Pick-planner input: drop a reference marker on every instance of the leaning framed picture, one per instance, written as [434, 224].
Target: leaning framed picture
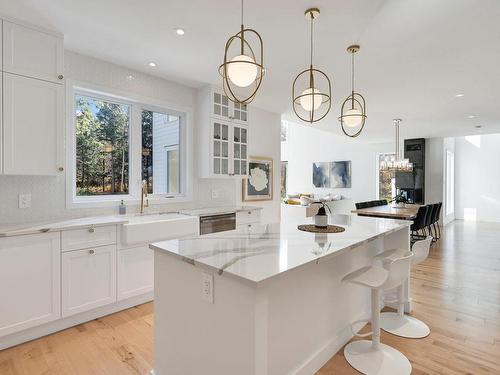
[259, 184]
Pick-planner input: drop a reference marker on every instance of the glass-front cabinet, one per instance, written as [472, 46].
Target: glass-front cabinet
[229, 149]
[225, 109]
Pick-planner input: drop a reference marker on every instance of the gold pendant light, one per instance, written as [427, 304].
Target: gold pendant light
[242, 74]
[311, 89]
[353, 111]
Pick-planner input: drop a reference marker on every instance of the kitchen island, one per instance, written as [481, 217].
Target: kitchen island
[264, 299]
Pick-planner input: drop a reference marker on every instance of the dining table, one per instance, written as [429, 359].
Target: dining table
[389, 211]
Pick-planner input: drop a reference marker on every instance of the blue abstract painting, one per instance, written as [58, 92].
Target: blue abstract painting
[340, 174]
[321, 175]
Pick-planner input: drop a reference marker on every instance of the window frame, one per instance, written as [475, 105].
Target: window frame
[136, 104]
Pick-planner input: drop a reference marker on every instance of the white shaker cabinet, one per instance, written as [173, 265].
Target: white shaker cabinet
[135, 271]
[88, 279]
[32, 126]
[30, 273]
[32, 53]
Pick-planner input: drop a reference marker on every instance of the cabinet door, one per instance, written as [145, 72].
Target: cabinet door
[135, 271]
[220, 148]
[32, 112]
[239, 150]
[88, 279]
[221, 106]
[32, 53]
[30, 277]
[239, 113]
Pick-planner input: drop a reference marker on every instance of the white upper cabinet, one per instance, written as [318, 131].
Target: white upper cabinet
[32, 53]
[223, 135]
[225, 109]
[30, 275]
[32, 126]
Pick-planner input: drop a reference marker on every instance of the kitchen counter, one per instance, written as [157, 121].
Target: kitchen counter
[17, 230]
[255, 253]
[264, 299]
[219, 210]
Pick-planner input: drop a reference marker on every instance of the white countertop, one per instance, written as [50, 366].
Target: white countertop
[219, 210]
[18, 230]
[259, 252]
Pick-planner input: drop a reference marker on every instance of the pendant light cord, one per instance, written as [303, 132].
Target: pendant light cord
[352, 78]
[242, 12]
[312, 19]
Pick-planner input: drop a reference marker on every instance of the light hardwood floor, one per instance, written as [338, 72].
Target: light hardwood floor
[456, 291]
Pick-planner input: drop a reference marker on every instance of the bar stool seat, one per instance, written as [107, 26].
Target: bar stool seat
[398, 323]
[373, 357]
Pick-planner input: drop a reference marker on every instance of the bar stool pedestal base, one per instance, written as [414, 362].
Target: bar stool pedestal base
[383, 361]
[403, 326]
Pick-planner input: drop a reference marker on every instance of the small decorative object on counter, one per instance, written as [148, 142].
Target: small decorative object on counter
[400, 200]
[122, 209]
[321, 218]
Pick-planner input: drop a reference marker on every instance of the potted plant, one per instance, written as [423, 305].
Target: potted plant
[400, 200]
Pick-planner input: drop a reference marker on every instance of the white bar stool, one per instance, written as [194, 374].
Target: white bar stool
[398, 323]
[373, 357]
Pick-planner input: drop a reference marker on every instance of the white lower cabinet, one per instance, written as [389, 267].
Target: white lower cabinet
[135, 271]
[88, 279]
[30, 273]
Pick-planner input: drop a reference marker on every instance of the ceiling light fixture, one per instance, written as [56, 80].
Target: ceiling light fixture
[242, 74]
[353, 110]
[311, 89]
[179, 31]
[152, 64]
[459, 95]
[471, 116]
[397, 162]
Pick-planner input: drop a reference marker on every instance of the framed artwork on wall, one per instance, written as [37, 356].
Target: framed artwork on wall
[333, 175]
[259, 184]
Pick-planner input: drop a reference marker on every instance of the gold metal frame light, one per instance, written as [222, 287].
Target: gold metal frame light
[353, 101]
[233, 92]
[313, 76]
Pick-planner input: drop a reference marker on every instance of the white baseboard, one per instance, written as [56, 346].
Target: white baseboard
[63, 323]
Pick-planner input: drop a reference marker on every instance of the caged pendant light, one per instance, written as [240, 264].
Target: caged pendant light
[353, 110]
[242, 74]
[311, 89]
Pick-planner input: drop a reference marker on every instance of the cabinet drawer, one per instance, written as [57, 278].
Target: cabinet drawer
[88, 279]
[247, 217]
[88, 237]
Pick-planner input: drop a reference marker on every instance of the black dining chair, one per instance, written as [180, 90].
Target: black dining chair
[432, 221]
[436, 222]
[419, 223]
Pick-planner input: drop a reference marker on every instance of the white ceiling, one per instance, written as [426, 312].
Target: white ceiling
[416, 55]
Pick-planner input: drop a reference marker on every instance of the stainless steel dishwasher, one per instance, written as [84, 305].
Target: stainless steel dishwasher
[217, 223]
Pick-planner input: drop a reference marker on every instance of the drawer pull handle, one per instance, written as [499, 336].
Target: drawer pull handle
[249, 212]
[60, 76]
[91, 230]
[91, 252]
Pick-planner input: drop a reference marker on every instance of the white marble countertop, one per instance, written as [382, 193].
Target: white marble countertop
[259, 252]
[18, 230]
[219, 210]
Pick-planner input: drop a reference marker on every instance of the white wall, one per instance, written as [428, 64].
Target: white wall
[48, 193]
[264, 133]
[307, 145]
[477, 178]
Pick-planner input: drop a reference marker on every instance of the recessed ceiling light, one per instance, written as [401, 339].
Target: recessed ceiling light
[152, 64]
[130, 77]
[459, 95]
[179, 31]
[471, 116]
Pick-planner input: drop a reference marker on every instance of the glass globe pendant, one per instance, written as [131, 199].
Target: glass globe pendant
[311, 89]
[242, 74]
[353, 110]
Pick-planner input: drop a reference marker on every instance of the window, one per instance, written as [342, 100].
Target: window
[160, 152]
[450, 182]
[102, 146]
[386, 185]
[283, 179]
[284, 131]
[116, 143]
